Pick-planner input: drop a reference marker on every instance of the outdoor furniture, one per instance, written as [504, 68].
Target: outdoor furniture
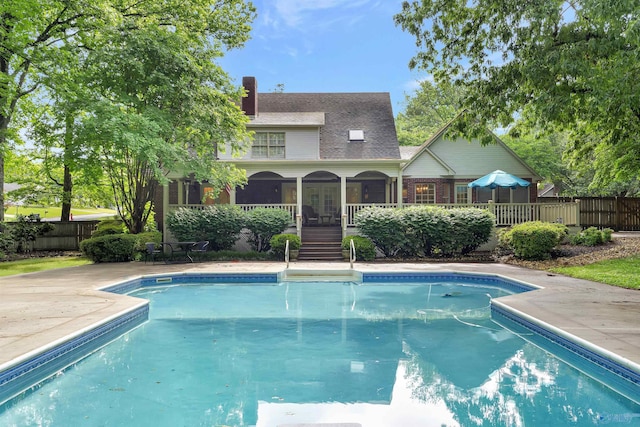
[179, 248]
[200, 247]
[152, 252]
[309, 216]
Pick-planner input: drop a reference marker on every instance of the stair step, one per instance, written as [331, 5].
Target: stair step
[301, 275]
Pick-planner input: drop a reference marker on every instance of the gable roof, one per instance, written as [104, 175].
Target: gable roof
[370, 112]
[432, 141]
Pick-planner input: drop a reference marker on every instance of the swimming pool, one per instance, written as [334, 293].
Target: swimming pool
[410, 352]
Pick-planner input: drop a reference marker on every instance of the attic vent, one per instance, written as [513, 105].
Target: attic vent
[356, 135]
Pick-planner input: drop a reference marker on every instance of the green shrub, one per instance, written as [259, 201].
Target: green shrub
[264, 223]
[365, 249]
[418, 231]
[140, 245]
[219, 224]
[470, 229]
[591, 237]
[110, 248]
[534, 240]
[385, 227]
[279, 242]
[108, 227]
[25, 229]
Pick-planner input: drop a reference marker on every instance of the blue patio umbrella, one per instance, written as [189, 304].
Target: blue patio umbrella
[499, 178]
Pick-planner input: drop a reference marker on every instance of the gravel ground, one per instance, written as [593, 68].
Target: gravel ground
[568, 255]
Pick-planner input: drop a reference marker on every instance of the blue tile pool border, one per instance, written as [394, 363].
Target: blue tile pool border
[621, 377]
[33, 371]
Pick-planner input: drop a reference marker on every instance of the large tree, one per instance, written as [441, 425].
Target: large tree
[149, 67]
[569, 65]
[427, 110]
[160, 102]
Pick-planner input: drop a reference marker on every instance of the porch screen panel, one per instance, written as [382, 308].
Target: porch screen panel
[425, 193]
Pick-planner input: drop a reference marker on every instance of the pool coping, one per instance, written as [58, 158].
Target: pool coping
[79, 339]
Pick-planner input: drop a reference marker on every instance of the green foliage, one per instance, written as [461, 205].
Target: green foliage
[279, 241]
[591, 237]
[470, 228]
[534, 240]
[25, 230]
[560, 66]
[140, 245]
[425, 230]
[110, 248]
[365, 249]
[264, 223]
[426, 111]
[109, 226]
[384, 227]
[219, 224]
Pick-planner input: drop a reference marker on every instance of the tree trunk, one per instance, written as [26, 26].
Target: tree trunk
[67, 184]
[4, 125]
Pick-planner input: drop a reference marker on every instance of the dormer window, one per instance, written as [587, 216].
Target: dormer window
[356, 136]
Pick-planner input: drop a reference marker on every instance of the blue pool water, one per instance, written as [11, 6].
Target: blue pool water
[267, 355]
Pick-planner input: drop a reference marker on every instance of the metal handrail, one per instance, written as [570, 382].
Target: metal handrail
[286, 253]
[352, 253]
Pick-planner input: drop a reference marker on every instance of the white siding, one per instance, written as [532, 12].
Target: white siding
[300, 144]
[425, 166]
[471, 159]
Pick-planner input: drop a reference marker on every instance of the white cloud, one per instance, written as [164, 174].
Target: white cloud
[298, 13]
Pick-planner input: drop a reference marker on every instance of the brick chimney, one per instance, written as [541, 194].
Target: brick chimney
[250, 102]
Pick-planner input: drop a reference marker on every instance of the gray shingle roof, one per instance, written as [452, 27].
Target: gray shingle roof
[370, 112]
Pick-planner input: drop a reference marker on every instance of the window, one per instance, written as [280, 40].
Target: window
[462, 194]
[268, 145]
[425, 193]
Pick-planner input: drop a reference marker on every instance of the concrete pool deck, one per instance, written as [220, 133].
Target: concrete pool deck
[38, 309]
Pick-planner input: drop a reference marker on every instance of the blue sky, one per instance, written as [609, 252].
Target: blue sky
[327, 46]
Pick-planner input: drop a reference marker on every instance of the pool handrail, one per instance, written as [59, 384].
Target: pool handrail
[286, 253]
[352, 252]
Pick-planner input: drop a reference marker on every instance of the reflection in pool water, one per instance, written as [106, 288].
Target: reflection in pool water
[378, 355]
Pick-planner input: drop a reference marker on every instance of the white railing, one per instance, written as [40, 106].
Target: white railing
[506, 214]
[289, 207]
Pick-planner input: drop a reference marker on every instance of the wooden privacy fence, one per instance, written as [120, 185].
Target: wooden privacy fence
[617, 213]
[66, 236]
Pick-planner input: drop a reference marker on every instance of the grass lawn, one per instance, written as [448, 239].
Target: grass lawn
[10, 268]
[621, 272]
[51, 211]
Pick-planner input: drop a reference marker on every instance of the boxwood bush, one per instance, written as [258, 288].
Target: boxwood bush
[108, 226]
[365, 249]
[533, 240]
[109, 248]
[279, 242]
[219, 224]
[264, 223]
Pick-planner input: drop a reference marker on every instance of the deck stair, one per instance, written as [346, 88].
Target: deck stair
[320, 275]
[321, 244]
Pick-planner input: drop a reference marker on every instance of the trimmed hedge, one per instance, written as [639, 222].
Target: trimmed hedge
[533, 240]
[109, 226]
[279, 242]
[219, 224]
[419, 231]
[365, 249]
[109, 248]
